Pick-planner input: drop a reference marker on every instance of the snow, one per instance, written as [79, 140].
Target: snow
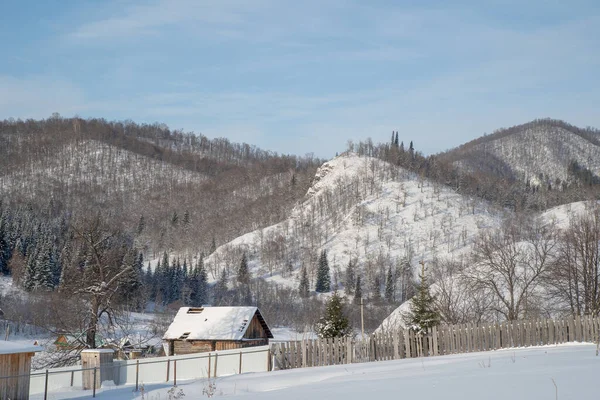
[20, 347]
[366, 209]
[282, 334]
[499, 375]
[213, 323]
[94, 351]
[546, 151]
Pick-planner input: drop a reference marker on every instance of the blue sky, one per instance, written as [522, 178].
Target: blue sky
[299, 77]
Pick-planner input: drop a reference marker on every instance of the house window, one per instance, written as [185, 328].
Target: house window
[184, 336]
[195, 310]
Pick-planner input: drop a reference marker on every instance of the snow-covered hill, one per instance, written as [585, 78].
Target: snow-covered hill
[451, 288]
[539, 152]
[365, 210]
[93, 164]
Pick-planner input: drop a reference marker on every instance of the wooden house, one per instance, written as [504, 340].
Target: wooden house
[15, 362]
[203, 329]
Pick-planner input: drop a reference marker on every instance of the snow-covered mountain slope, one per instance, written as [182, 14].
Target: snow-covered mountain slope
[361, 209]
[557, 219]
[539, 152]
[94, 164]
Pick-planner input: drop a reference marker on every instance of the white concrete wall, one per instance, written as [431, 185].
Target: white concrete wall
[154, 370]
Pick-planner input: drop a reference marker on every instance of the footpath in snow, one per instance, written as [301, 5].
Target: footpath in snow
[504, 374]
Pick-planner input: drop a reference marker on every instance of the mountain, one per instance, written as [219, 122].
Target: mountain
[368, 213]
[541, 153]
[182, 190]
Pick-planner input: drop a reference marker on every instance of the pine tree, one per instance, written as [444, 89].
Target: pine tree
[357, 291]
[304, 288]
[396, 140]
[243, 276]
[389, 285]
[44, 268]
[350, 280]
[376, 289]
[334, 323]
[141, 225]
[221, 288]
[201, 286]
[213, 246]
[423, 315]
[323, 278]
[5, 251]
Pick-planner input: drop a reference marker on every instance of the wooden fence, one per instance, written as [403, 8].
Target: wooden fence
[442, 340]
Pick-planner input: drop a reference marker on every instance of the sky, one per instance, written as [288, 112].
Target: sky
[307, 76]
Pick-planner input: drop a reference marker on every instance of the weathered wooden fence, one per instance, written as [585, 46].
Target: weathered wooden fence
[442, 340]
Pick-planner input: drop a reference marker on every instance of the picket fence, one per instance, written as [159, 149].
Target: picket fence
[442, 340]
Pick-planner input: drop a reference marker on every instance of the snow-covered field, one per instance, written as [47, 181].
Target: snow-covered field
[505, 374]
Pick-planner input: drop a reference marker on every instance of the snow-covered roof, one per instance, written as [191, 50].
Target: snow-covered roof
[15, 348]
[213, 323]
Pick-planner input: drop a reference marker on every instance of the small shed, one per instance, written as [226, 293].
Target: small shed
[15, 367]
[203, 329]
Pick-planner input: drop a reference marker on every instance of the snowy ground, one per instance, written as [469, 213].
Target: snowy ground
[504, 374]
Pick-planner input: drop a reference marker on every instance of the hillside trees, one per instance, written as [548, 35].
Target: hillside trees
[574, 279]
[511, 262]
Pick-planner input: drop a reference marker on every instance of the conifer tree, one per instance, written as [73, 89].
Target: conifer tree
[389, 285]
[201, 286]
[44, 269]
[350, 281]
[213, 246]
[221, 288]
[323, 278]
[396, 140]
[334, 323]
[304, 288]
[243, 276]
[423, 315]
[5, 251]
[357, 291]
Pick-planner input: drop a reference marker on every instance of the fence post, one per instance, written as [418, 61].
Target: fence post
[46, 387]
[209, 357]
[240, 370]
[137, 374]
[174, 372]
[94, 385]
[168, 369]
[269, 365]
[216, 359]
[72, 377]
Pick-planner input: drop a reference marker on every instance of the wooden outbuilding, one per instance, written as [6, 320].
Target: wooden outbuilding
[203, 329]
[15, 367]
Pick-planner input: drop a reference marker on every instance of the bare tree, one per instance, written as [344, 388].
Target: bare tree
[575, 276]
[510, 262]
[106, 268]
